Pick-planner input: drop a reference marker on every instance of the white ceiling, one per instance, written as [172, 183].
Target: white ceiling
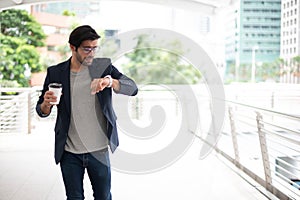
[209, 7]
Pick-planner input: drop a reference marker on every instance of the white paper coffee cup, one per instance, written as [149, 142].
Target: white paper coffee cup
[56, 88]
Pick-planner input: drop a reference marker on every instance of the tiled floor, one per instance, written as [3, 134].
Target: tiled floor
[28, 172]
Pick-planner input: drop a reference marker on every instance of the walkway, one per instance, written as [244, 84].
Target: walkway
[28, 172]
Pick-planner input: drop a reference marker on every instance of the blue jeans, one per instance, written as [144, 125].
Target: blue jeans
[97, 165]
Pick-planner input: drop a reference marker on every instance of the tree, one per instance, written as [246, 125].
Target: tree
[18, 23]
[269, 71]
[158, 66]
[19, 37]
[264, 72]
[296, 68]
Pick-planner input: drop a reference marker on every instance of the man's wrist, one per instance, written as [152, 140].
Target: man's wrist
[110, 80]
[41, 110]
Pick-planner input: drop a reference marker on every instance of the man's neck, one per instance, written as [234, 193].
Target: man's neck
[76, 66]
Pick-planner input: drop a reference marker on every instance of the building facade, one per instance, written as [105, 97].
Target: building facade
[252, 33]
[81, 9]
[290, 41]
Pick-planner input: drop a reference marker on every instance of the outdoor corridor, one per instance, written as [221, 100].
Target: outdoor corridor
[28, 172]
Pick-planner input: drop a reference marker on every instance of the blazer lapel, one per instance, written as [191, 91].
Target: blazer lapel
[98, 67]
[65, 80]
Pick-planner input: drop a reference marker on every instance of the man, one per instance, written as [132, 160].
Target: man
[86, 123]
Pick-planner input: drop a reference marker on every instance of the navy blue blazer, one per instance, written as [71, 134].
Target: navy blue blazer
[61, 74]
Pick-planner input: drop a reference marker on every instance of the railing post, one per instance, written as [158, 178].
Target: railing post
[136, 107]
[234, 136]
[264, 151]
[273, 100]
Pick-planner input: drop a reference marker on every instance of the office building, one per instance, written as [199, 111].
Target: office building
[81, 9]
[290, 41]
[253, 29]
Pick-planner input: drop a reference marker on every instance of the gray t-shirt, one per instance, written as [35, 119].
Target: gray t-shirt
[88, 124]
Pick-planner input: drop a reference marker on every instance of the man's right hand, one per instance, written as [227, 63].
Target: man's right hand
[46, 105]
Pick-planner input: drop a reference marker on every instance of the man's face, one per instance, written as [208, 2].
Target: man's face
[86, 51]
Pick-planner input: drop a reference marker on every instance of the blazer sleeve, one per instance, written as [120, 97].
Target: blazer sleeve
[103, 66]
[127, 85]
[41, 97]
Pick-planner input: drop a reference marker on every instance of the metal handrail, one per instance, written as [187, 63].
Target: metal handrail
[287, 115]
[17, 111]
[272, 164]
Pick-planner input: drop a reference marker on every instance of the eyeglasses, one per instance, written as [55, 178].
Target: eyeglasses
[89, 49]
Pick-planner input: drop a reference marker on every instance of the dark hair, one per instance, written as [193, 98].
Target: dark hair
[82, 33]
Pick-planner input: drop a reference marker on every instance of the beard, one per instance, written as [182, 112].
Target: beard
[85, 61]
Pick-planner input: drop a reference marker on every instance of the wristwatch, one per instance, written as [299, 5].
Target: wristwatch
[110, 80]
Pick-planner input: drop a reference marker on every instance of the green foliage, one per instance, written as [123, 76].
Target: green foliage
[159, 66]
[264, 72]
[64, 52]
[18, 23]
[296, 66]
[19, 37]
[9, 84]
[297, 60]
[68, 13]
[268, 72]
